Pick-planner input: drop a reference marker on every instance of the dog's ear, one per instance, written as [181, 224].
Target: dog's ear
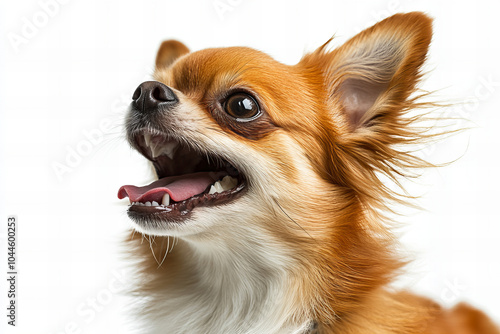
[368, 85]
[375, 71]
[169, 51]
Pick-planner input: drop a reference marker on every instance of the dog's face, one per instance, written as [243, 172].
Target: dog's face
[236, 114]
[241, 142]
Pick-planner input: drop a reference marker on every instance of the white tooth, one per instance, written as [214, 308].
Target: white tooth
[170, 148]
[212, 190]
[165, 200]
[218, 187]
[167, 149]
[154, 203]
[147, 204]
[228, 182]
[147, 138]
[155, 150]
[139, 203]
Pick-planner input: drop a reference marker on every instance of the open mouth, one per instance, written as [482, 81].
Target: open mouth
[187, 178]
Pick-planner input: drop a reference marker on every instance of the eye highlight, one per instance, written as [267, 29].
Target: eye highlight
[242, 107]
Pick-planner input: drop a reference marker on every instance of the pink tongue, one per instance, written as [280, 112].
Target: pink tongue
[179, 188]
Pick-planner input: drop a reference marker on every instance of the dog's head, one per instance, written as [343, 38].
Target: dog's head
[241, 142]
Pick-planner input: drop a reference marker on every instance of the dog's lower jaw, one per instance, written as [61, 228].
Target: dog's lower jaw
[221, 287]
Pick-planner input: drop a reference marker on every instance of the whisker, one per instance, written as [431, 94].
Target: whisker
[281, 208]
[166, 252]
[152, 251]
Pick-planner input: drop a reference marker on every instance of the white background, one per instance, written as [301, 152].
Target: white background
[78, 70]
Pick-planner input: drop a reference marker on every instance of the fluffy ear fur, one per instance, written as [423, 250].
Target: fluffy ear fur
[377, 68]
[169, 51]
[369, 81]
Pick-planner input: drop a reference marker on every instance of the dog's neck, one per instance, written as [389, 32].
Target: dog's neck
[242, 284]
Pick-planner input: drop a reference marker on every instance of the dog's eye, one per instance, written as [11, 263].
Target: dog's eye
[242, 106]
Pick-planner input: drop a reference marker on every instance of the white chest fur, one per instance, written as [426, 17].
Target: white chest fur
[242, 288]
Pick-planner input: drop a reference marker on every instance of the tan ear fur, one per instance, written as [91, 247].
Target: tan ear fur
[169, 51]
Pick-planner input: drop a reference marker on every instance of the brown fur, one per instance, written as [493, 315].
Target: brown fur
[338, 235]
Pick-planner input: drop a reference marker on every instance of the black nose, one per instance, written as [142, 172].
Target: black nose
[152, 94]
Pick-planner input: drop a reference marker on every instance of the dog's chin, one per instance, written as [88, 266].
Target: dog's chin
[198, 222]
[172, 228]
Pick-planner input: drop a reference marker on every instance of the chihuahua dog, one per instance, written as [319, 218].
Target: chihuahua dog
[267, 214]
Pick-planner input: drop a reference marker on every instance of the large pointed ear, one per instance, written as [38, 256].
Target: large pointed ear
[169, 51]
[369, 85]
[373, 74]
